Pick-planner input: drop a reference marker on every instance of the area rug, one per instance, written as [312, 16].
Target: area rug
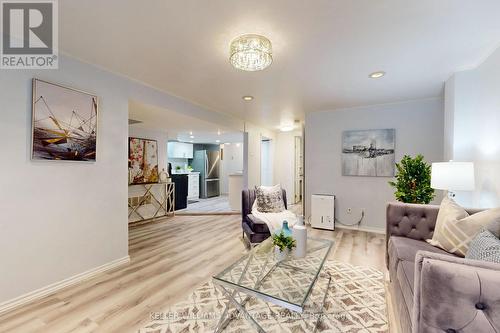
[355, 302]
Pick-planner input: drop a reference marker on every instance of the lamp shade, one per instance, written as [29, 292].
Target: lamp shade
[453, 176]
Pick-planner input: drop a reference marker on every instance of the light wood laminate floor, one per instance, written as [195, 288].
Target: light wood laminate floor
[169, 258]
[218, 204]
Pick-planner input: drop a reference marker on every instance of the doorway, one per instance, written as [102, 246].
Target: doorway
[203, 160]
[299, 170]
[266, 162]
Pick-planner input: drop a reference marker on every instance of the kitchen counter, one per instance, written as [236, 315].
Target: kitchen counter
[235, 185]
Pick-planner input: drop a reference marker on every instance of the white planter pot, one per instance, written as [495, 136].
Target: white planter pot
[281, 255]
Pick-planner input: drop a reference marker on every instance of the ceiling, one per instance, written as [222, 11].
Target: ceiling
[323, 50]
[179, 126]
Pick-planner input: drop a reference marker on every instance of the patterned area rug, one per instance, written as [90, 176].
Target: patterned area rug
[355, 302]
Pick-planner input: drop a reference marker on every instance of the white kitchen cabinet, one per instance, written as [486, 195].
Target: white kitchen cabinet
[180, 150]
[193, 185]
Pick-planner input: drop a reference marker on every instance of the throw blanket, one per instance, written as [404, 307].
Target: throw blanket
[274, 221]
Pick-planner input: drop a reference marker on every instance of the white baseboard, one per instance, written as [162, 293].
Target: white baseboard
[45, 291]
[361, 228]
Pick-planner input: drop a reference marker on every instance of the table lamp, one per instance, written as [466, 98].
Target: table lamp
[452, 176]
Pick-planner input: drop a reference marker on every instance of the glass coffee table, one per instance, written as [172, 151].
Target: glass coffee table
[287, 283]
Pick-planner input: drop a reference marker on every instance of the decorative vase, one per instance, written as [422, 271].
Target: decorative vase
[300, 236]
[286, 230]
[280, 255]
[163, 176]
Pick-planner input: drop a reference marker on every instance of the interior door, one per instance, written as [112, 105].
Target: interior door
[299, 172]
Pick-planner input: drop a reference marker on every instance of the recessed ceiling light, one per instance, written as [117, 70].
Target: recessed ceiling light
[217, 141]
[218, 132]
[376, 75]
[191, 133]
[191, 136]
[227, 143]
[191, 141]
[247, 98]
[286, 128]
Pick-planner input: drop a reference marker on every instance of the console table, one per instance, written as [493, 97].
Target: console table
[148, 202]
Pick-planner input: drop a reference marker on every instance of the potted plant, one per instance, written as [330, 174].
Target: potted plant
[283, 245]
[413, 181]
[178, 169]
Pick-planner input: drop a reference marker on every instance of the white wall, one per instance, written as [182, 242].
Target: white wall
[419, 129]
[474, 128]
[232, 163]
[62, 219]
[285, 162]
[449, 109]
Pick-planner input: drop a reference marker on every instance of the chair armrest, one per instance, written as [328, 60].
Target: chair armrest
[254, 219]
[454, 294]
[254, 222]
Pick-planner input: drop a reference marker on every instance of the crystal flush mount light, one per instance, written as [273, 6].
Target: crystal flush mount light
[251, 52]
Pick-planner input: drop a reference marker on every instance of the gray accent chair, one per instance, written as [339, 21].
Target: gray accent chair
[255, 229]
[432, 290]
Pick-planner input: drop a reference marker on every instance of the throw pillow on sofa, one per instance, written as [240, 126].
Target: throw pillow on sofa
[494, 228]
[486, 246]
[269, 199]
[455, 228]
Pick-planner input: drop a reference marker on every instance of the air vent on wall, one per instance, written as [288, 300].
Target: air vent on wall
[133, 121]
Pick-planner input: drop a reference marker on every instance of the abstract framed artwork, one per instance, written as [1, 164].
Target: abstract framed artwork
[368, 153]
[143, 161]
[64, 123]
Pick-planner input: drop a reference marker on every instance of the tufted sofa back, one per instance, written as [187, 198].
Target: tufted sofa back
[412, 220]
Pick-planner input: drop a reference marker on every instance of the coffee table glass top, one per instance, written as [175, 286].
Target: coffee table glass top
[287, 283]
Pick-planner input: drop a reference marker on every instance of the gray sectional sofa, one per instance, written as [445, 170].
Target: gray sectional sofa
[432, 290]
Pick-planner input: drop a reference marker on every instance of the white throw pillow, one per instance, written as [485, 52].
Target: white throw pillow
[455, 228]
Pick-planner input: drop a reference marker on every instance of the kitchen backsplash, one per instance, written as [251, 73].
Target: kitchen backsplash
[182, 162]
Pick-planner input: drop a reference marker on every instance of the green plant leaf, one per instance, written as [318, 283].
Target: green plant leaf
[413, 180]
[283, 242]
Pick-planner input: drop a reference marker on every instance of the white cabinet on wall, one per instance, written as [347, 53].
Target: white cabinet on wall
[194, 185]
[180, 150]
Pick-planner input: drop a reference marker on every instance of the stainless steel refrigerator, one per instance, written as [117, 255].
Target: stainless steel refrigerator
[207, 163]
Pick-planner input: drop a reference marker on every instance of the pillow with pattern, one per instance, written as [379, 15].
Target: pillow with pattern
[485, 246]
[455, 228]
[269, 199]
